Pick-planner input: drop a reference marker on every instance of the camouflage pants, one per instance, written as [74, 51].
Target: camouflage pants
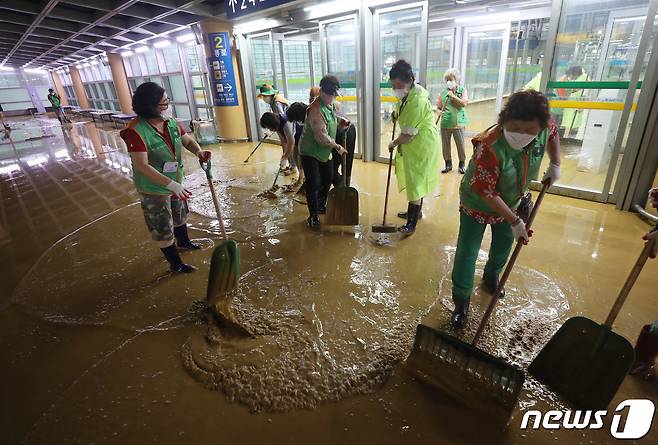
[162, 213]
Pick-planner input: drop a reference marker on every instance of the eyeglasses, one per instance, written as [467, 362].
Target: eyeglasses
[164, 104]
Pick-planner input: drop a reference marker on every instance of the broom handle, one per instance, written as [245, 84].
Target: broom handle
[388, 179]
[214, 196]
[276, 178]
[630, 281]
[508, 268]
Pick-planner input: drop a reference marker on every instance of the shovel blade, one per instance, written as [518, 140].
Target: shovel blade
[224, 271]
[467, 374]
[584, 362]
[343, 207]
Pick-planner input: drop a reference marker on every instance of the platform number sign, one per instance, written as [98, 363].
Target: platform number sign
[220, 65]
[238, 8]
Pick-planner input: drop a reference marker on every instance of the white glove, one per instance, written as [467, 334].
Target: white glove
[552, 173]
[284, 162]
[653, 197]
[178, 190]
[520, 232]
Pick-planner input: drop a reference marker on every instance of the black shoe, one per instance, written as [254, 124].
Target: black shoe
[183, 240]
[461, 167]
[491, 282]
[448, 167]
[313, 222]
[413, 213]
[460, 314]
[175, 262]
[403, 215]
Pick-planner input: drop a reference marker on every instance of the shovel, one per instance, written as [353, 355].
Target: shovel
[383, 227]
[464, 372]
[586, 362]
[224, 268]
[343, 202]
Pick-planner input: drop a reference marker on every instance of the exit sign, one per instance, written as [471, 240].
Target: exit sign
[238, 8]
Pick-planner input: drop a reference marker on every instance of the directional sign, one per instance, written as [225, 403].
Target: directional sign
[222, 77]
[238, 8]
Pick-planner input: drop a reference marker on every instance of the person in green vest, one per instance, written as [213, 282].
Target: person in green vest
[572, 118]
[452, 104]
[317, 142]
[505, 160]
[155, 143]
[56, 103]
[418, 145]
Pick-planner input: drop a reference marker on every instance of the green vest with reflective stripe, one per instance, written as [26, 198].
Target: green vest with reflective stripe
[158, 153]
[517, 169]
[54, 100]
[452, 116]
[309, 146]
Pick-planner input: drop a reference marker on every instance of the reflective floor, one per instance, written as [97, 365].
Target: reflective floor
[99, 343]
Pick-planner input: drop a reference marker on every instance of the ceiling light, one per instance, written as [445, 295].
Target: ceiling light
[94, 62]
[6, 68]
[185, 38]
[126, 53]
[142, 49]
[162, 43]
[79, 67]
[34, 70]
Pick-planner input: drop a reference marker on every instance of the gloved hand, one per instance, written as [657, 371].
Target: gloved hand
[391, 146]
[343, 123]
[283, 163]
[204, 155]
[552, 174]
[653, 197]
[178, 190]
[652, 236]
[394, 116]
[520, 231]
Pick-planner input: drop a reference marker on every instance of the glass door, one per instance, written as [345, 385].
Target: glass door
[399, 33]
[340, 57]
[484, 58]
[440, 57]
[263, 69]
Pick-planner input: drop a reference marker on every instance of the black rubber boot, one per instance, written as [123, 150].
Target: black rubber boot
[460, 314]
[646, 351]
[448, 167]
[461, 167]
[175, 262]
[403, 215]
[313, 222]
[491, 282]
[183, 240]
[413, 212]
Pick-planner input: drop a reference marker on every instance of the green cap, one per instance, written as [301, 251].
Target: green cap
[267, 90]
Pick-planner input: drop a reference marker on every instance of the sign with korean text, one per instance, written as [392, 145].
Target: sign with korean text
[238, 8]
[222, 77]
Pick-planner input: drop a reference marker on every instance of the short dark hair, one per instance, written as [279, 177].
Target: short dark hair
[401, 70]
[146, 99]
[270, 121]
[329, 84]
[50, 90]
[526, 106]
[296, 112]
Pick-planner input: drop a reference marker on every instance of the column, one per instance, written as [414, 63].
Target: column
[230, 120]
[120, 80]
[77, 87]
[59, 88]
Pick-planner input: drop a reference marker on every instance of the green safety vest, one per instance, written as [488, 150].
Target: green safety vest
[517, 169]
[158, 153]
[308, 145]
[452, 116]
[54, 100]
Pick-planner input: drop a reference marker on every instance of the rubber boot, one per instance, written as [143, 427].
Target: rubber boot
[460, 313]
[313, 222]
[461, 167]
[413, 212]
[491, 282]
[183, 240]
[403, 215]
[646, 351]
[448, 167]
[175, 262]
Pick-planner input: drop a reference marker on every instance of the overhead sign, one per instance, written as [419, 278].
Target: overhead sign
[222, 77]
[238, 8]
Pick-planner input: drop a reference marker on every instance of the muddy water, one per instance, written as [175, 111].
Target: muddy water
[101, 344]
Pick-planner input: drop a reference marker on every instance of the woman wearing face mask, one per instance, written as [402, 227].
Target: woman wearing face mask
[506, 159]
[451, 104]
[316, 145]
[417, 159]
[279, 106]
[155, 144]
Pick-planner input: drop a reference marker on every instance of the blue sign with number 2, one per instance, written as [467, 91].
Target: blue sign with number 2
[222, 77]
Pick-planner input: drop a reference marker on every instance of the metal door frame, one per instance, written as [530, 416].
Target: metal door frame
[260, 134]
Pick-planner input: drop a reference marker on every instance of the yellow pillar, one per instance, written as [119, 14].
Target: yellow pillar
[231, 121]
[120, 80]
[59, 88]
[77, 87]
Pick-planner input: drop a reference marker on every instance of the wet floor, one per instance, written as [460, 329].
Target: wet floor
[100, 344]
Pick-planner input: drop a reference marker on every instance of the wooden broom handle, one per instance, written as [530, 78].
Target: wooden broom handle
[388, 180]
[207, 168]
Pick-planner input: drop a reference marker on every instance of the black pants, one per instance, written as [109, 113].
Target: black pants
[318, 181]
[347, 138]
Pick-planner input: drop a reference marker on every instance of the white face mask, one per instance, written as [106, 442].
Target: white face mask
[518, 141]
[401, 93]
[451, 84]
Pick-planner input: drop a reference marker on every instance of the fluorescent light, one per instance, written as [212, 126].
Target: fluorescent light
[142, 49]
[332, 7]
[185, 38]
[162, 43]
[34, 70]
[94, 62]
[254, 25]
[86, 64]
[6, 68]
[127, 53]
[79, 67]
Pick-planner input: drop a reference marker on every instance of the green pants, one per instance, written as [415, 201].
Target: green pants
[468, 246]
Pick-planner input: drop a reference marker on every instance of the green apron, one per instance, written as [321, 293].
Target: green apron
[417, 169]
[308, 145]
[453, 117]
